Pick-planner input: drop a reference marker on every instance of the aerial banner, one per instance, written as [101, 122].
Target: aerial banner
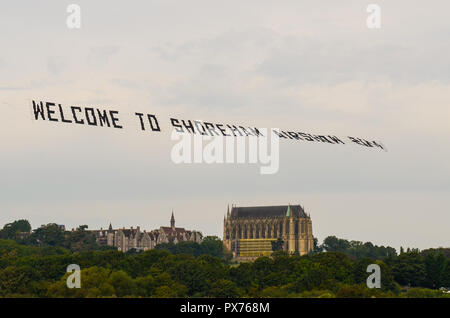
[108, 118]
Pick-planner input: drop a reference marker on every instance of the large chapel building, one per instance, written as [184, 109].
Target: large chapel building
[248, 232]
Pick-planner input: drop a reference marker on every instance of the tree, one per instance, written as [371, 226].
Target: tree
[445, 274]
[387, 277]
[334, 244]
[145, 286]
[277, 245]
[165, 286]
[122, 283]
[434, 266]
[188, 247]
[169, 247]
[338, 265]
[357, 249]
[12, 230]
[20, 280]
[51, 234]
[353, 291]
[212, 245]
[185, 270]
[242, 275]
[274, 292]
[165, 292]
[262, 269]
[317, 248]
[224, 288]
[94, 283]
[308, 275]
[360, 270]
[81, 240]
[409, 269]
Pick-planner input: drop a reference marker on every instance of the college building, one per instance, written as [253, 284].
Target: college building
[134, 238]
[248, 232]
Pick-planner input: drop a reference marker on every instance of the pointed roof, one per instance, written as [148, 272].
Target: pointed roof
[289, 211]
[267, 211]
[110, 226]
[172, 221]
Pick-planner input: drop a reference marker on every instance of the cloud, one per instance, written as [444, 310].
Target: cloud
[56, 64]
[300, 60]
[235, 46]
[100, 55]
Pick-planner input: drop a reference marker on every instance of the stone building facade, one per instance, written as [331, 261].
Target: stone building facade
[134, 238]
[248, 232]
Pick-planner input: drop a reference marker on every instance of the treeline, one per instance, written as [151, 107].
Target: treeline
[428, 268]
[355, 248]
[210, 245]
[204, 270]
[51, 235]
[28, 271]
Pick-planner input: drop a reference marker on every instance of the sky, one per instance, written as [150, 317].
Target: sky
[301, 65]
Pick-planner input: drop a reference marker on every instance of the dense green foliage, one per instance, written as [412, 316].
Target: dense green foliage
[337, 268]
[12, 230]
[50, 235]
[356, 248]
[210, 245]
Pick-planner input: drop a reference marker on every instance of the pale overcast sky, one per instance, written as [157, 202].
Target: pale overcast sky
[309, 66]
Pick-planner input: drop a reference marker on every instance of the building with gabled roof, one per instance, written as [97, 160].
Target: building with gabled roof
[133, 238]
[249, 232]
